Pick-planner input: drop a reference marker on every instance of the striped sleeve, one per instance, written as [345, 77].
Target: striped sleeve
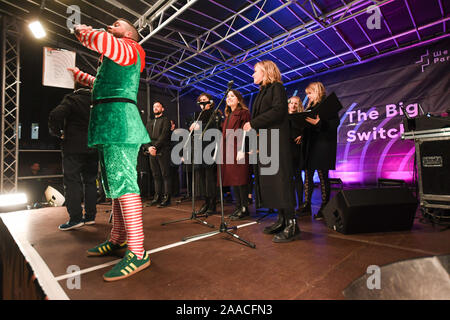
[118, 50]
[84, 78]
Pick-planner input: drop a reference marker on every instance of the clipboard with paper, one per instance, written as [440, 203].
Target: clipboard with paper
[55, 64]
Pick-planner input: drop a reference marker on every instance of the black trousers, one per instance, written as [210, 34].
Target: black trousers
[175, 178]
[206, 181]
[80, 174]
[160, 166]
[241, 195]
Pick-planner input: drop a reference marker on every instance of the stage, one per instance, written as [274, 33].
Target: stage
[217, 267]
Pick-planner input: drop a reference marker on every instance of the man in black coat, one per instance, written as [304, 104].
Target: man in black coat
[69, 121]
[159, 149]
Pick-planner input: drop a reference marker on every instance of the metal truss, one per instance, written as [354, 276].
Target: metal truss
[307, 29]
[10, 54]
[201, 44]
[157, 20]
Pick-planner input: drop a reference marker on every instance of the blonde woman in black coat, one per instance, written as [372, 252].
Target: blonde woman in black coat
[270, 111]
[319, 149]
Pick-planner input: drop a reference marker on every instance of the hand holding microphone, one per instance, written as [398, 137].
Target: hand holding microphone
[82, 27]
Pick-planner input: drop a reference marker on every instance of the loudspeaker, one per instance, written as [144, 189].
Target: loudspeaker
[371, 210]
[54, 197]
[434, 167]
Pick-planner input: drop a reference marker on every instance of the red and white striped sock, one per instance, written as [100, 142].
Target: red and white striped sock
[118, 231]
[131, 206]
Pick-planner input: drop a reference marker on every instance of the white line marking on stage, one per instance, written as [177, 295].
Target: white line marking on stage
[176, 244]
[44, 276]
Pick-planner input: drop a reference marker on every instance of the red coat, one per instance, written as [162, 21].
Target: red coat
[234, 174]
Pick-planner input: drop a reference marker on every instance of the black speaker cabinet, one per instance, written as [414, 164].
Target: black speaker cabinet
[371, 210]
[434, 168]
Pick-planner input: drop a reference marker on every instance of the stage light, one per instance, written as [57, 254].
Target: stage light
[37, 29]
[13, 199]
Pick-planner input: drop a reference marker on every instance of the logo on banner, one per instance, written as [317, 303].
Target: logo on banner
[438, 56]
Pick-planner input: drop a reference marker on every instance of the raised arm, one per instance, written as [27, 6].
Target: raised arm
[120, 50]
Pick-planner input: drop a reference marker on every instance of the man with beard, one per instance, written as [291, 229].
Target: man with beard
[159, 150]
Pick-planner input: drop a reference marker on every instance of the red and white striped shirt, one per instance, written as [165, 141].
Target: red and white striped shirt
[122, 51]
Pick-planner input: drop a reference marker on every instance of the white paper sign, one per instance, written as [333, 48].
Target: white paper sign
[55, 73]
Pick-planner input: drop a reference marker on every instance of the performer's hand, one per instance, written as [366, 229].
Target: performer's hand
[194, 126]
[240, 155]
[81, 27]
[73, 70]
[247, 126]
[313, 121]
[298, 140]
[152, 151]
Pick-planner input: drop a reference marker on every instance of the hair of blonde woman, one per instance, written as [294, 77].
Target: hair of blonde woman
[241, 102]
[300, 107]
[271, 72]
[319, 89]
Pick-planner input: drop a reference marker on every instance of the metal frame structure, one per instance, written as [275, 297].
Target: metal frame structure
[10, 54]
[193, 43]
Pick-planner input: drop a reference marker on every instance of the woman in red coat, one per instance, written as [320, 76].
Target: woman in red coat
[235, 172]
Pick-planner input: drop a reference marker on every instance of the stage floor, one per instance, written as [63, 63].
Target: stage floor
[319, 266]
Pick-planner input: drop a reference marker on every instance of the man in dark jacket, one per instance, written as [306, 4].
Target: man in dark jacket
[159, 149]
[69, 121]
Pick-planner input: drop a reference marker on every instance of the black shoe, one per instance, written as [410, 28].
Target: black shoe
[304, 210]
[156, 200]
[290, 233]
[165, 201]
[241, 214]
[319, 215]
[276, 227]
[204, 207]
[235, 212]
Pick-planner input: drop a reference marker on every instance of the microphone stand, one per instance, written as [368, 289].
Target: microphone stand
[194, 215]
[224, 228]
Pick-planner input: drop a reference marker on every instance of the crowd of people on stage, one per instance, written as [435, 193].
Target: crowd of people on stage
[114, 134]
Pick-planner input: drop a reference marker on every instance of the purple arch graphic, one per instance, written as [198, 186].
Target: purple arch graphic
[383, 155]
[402, 165]
[366, 145]
[347, 146]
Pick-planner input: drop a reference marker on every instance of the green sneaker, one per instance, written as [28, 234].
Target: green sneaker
[106, 248]
[128, 266]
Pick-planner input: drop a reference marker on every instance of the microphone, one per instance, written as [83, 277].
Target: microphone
[230, 84]
[72, 30]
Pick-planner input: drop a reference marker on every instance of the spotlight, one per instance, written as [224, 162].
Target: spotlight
[37, 29]
[13, 202]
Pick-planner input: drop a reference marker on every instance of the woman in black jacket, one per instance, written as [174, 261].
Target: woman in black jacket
[319, 149]
[270, 112]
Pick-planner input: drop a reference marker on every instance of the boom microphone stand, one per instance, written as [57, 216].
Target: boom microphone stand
[194, 215]
[223, 226]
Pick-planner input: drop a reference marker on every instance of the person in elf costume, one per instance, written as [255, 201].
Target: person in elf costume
[117, 131]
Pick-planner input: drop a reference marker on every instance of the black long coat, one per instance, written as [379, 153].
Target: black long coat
[270, 111]
[319, 144]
